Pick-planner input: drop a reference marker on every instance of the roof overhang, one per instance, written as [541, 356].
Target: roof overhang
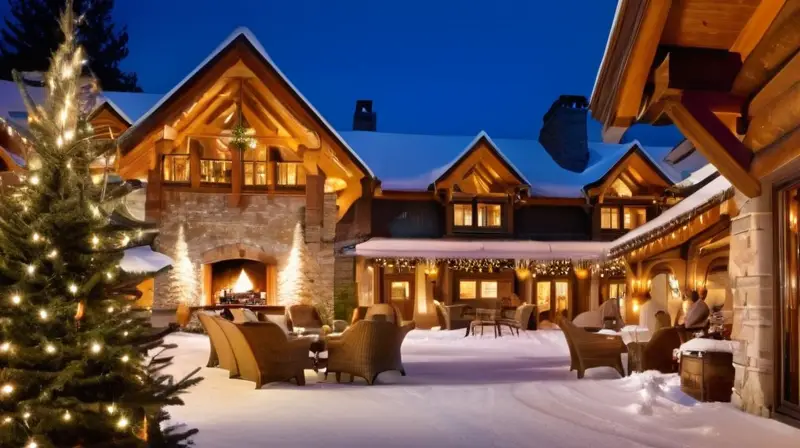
[480, 249]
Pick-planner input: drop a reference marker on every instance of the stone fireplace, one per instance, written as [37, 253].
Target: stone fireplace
[237, 277]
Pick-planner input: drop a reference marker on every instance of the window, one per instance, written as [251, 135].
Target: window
[290, 174]
[616, 290]
[489, 215]
[176, 168]
[488, 290]
[543, 296]
[462, 215]
[609, 218]
[215, 160]
[467, 289]
[400, 290]
[633, 217]
[255, 166]
[215, 171]
[562, 294]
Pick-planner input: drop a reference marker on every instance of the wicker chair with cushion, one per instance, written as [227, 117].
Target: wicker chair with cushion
[264, 354]
[450, 317]
[655, 354]
[304, 316]
[221, 352]
[366, 349]
[522, 317]
[589, 350]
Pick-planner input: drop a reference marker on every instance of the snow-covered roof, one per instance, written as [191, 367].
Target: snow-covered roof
[251, 38]
[715, 188]
[130, 106]
[388, 155]
[608, 44]
[480, 249]
[142, 259]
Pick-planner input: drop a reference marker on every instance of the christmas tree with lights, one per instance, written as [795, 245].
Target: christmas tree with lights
[77, 363]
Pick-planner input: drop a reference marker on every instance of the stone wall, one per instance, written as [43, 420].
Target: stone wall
[751, 274]
[194, 223]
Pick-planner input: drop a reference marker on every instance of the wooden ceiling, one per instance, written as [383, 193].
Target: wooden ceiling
[707, 23]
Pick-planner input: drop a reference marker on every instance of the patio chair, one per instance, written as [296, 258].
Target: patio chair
[655, 354]
[367, 349]
[221, 351]
[450, 317]
[522, 317]
[304, 316]
[264, 354]
[590, 350]
[662, 320]
[392, 313]
[484, 318]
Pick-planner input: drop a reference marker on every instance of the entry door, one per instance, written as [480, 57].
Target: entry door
[399, 292]
[789, 334]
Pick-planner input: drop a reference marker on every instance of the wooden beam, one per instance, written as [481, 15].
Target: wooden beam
[776, 120]
[613, 134]
[755, 28]
[285, 118]
[715, 141]
[637, 67]
[777, 155]
[780, 83]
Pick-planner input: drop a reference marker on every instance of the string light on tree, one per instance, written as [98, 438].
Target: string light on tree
[7, 389]
[16, 299]
[96, 348]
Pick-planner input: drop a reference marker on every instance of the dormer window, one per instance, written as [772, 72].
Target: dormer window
[477, 216]
[489, 215]
[462, 215]
[609, 218]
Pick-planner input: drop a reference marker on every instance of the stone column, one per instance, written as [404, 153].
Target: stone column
[751, 272]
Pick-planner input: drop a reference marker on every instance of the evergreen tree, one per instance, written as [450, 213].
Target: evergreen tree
[33, 35]
[74, 363]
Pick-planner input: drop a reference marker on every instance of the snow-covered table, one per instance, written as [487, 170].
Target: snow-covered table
[634, 333]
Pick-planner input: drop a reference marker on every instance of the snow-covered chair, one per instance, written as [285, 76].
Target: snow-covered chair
[655, 354]
[367, 349]
[522, 317]
[589, 350]
[609, 310]
[265, 354]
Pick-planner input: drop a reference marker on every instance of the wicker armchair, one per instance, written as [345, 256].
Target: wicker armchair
[221, 352]
[655, 354]
[304, 316]
[366, 349]
[522, 317]
[264, 354]
[450, 317]
[392, 313]
[589, 350]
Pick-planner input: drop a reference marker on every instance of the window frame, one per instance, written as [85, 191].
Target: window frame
[171, 157]
[613, 210]
[474, 207]
[634, 209]
[207, 182]
[277, 175]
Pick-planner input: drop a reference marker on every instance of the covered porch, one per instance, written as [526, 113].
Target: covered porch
[560, 278]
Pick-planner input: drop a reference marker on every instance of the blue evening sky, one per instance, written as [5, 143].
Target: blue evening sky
[431, 66]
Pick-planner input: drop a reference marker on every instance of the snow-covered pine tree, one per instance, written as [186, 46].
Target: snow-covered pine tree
[74, 363]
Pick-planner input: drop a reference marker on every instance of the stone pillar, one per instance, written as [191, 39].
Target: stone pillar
[751, 272]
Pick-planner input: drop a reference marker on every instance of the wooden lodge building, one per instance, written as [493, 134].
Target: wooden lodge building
[249, 185]
[726, 73]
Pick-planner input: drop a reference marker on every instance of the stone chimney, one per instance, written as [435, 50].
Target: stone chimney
[564, 133]
[364, 119]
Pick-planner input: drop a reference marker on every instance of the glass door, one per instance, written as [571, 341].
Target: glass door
[562, 298]
[543, 294]
[400, 293]
[789, 310]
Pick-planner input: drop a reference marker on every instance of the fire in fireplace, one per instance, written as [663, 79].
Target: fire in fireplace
[239, 281]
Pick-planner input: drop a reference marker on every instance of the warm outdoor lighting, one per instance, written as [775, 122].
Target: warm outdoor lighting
[635, 306]
[243, 283]
[581, 273]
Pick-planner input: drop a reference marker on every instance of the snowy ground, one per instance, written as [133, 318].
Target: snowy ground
[474, 392]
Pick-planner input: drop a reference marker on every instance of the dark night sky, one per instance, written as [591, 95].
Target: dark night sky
[431, 66]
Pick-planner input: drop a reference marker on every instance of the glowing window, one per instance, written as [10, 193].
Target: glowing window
[467, 289]
[176, 168]
[488, 290]
[562, 296]
[255, 166]
[633, 217]
[290, 174]
[400, 290]
[462, 215]
[543, 296]
[609, 218]
[489, 215]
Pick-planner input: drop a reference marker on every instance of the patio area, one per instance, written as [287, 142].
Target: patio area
[462, 392]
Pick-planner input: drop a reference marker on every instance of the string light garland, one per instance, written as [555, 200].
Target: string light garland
[522, 267]
[679, 223]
